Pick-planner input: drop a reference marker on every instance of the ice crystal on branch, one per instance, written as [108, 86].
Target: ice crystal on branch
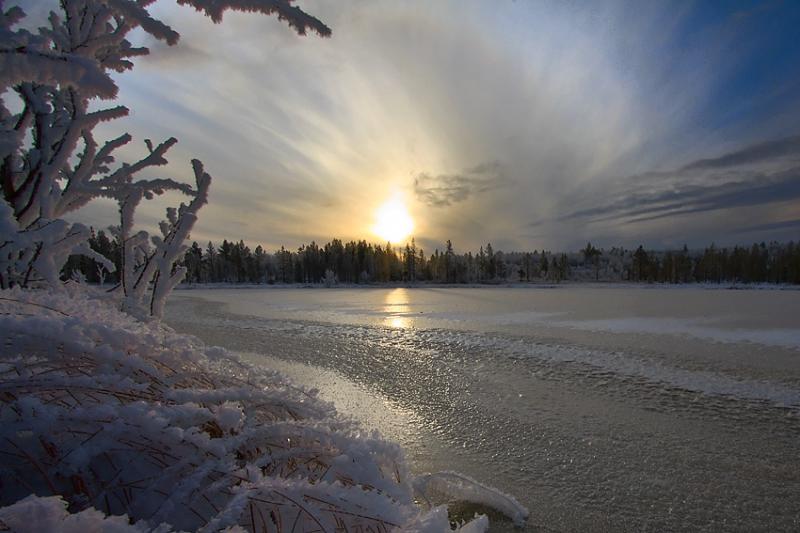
[145, 265]
[51, 163]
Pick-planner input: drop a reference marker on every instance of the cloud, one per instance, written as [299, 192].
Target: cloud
[758, 190]
[771, 227]
[769, 150]
[180, 56]
[577, 108]
[760, 174]
[448, 189]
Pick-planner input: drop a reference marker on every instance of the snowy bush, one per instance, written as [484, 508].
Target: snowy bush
[50, 162]
[129, 418]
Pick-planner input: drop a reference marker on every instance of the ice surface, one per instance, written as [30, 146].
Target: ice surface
[590, 429]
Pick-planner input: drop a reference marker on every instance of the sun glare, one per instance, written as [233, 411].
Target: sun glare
[392, 221]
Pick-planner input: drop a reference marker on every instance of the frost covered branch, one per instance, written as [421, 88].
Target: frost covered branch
[143, 265]
[50, 162]
[294, 16]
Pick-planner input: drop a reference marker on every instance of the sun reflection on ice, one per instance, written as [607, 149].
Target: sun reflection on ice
[398, 322]
[397, 309]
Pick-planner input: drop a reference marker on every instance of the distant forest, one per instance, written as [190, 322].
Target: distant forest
[361, 262]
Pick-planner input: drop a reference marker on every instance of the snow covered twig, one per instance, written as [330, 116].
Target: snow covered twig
[148, 275]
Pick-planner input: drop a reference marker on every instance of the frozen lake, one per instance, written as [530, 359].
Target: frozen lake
[599, 408]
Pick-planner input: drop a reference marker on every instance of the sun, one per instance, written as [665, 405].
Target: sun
[392, 221]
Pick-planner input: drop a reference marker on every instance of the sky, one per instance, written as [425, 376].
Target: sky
[527, 124]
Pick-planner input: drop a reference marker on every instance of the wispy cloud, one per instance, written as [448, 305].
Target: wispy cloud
[763, 173]
[776, 150]
[577, 107]
[773, 226]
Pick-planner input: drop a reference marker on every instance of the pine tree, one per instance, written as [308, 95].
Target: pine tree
[592, 255]
[449, 267]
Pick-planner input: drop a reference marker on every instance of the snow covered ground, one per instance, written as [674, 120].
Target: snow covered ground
[101, 414]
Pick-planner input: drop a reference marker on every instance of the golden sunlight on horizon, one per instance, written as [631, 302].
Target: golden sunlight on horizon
[393, 223]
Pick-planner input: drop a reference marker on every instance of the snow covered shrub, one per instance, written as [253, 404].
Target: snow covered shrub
[129, 418]
[151, 268]
[50, 162]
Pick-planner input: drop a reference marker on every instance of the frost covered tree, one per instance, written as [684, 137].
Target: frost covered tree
[51, 162]
[592, 255]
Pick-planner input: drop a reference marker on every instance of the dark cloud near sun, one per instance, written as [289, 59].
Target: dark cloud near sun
[448, 189]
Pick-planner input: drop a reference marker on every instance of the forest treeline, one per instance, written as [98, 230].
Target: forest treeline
[361, 262]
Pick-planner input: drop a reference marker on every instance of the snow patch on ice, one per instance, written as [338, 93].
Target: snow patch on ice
[701, 329]
[452, 487]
